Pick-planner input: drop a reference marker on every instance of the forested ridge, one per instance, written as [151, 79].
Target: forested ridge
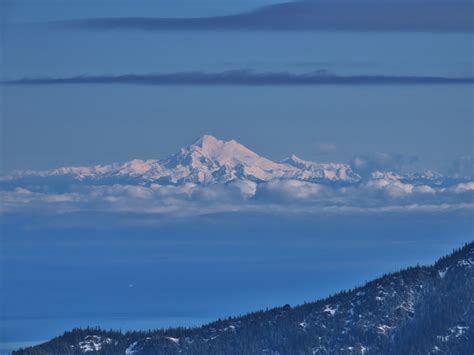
[419, 310]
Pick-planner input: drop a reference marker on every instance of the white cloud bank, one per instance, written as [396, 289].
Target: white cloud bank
[379, 194]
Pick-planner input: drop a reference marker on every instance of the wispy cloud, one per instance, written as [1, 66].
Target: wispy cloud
[463, 166]
[315, 15]
[365, 164]
[326, 148]
[243, 78]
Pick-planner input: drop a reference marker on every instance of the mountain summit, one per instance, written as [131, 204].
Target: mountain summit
[230, 153]
[209, 160]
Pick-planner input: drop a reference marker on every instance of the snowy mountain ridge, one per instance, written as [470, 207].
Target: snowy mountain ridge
[219, 175]
[208, 160]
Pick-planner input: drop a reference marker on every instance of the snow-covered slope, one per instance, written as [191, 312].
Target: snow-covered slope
[311, 171]
[209, 159]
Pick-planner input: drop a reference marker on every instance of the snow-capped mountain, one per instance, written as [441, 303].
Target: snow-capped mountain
[420, 310]
[208, 160]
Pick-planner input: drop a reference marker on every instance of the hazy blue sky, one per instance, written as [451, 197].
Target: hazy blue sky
[46, 126]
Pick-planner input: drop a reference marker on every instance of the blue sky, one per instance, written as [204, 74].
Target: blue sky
[48, 126]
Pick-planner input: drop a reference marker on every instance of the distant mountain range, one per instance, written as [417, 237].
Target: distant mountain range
[214, 176]
[210, 160]
[420, 310]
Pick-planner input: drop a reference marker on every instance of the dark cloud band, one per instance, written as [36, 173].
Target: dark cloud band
[315, 15]
[244, 78]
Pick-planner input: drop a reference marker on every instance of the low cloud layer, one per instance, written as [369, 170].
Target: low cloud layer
[384, 193]
[314, 15]
[244, 78]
